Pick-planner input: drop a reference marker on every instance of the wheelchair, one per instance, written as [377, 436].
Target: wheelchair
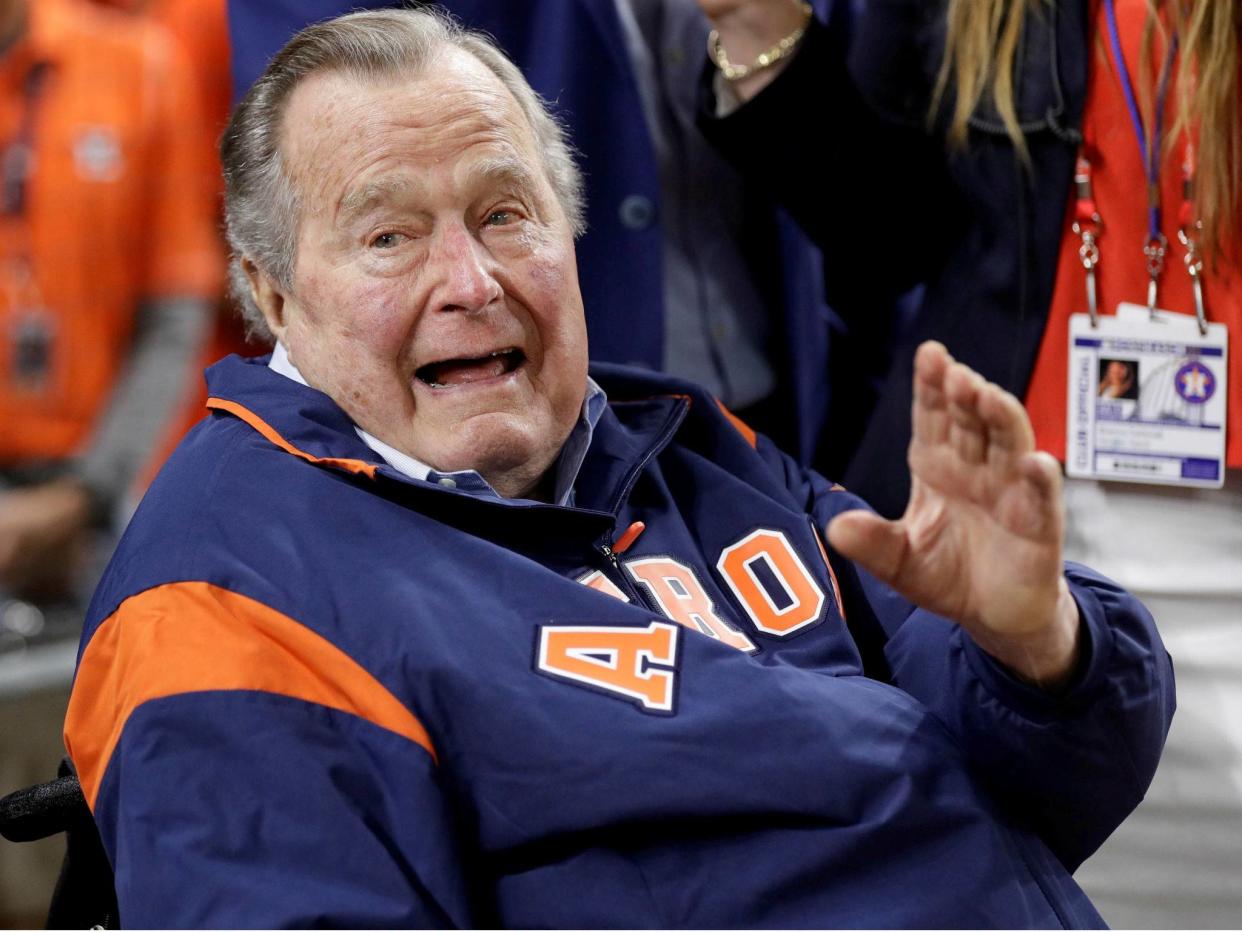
[85, 893]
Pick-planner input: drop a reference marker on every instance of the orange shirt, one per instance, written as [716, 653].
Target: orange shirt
[201, 28]
[119, 208]
[1118, 183]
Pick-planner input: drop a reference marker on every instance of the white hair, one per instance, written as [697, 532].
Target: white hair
[260, 201]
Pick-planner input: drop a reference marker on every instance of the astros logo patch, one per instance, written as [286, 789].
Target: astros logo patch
[1195, 383]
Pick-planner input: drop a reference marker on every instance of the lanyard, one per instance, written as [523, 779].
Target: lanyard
[31, 334]
[1188, 226]
[1087, 225]
[17, 162]
[1156, 246]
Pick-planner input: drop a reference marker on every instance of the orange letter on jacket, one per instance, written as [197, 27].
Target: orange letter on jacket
[614, 659]
[680, 596]
[802, 599]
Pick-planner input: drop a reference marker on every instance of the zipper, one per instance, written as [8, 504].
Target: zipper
[637, 597]
[661, 441]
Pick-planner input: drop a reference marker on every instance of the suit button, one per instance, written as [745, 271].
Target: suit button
[637, 212]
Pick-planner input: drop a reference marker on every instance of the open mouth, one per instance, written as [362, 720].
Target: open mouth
[450, 372]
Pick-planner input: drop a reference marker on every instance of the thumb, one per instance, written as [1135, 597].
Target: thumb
[878, 545]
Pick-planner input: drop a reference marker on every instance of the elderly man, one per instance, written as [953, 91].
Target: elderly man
[424, 626]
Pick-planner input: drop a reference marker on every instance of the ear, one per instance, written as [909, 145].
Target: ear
[270, 298]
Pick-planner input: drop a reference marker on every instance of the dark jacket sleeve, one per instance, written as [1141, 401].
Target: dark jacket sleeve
[871, 189]
[240, 776]
[1069, 766]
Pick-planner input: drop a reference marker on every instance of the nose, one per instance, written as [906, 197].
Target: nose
[464, 271]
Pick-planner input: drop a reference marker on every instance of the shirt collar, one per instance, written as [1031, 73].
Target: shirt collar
[568, 464]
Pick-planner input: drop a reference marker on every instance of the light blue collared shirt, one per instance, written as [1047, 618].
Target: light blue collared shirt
[568, 464]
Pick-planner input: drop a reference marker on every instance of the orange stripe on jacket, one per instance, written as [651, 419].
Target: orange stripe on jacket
[358, 467]
[832, 574]
[742, 427]
[190, 637]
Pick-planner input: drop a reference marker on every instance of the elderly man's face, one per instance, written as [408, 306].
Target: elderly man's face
[435, 294]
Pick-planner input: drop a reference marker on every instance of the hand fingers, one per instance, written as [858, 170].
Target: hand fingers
[945, 410]
[1031, 505]
[877, 545]
[962, 420]
[968, 433]
[984, 419]
[1009, 427]
[929, 411]
[1042, 473]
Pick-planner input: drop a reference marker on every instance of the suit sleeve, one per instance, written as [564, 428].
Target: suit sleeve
[869, 184]
[244, 772]
[1069, 766]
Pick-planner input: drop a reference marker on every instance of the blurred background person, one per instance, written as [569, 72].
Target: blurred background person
[110, 262]
[111, 266]
[686, 265]
[200, 28]
[940, 142]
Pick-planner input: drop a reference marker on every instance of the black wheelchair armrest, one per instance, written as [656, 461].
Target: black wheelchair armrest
[43, 810]
[84, 896]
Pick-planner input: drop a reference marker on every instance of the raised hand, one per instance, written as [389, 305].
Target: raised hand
[980, 540]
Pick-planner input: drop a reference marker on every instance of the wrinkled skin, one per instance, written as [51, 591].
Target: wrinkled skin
[430, 233]
[980, 540]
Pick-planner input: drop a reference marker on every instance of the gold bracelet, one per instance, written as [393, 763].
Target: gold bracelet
[732, 72]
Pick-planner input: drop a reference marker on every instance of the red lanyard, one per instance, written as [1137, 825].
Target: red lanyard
[1087, 223]
[1188, 228]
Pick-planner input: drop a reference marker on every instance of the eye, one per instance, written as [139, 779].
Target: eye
[386, 240]
[500, 218]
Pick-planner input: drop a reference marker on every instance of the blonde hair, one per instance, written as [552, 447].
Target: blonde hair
[981, 44]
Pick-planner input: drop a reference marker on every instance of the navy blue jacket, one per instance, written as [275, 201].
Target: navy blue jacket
[315, 692]
[892, 207]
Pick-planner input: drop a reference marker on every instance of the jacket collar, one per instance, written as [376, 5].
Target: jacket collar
[642, 417]
[297, 418]
[566, 469]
